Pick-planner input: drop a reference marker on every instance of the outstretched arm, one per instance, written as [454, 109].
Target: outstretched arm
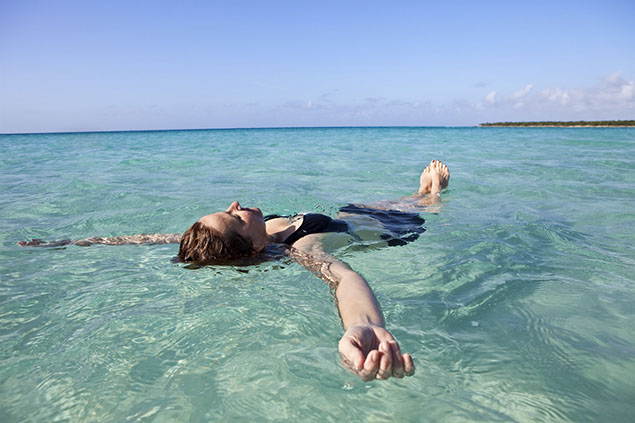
[367, 348]
[116, 240]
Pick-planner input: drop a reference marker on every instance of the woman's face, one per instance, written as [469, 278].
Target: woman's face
[248, 222]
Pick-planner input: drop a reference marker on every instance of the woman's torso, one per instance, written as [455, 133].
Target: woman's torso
[397, 227]
[289, 229]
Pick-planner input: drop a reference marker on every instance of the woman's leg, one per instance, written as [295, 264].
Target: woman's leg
[433, 180]
[398, 221]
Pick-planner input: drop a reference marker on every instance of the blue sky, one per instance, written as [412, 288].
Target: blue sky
[126, 65]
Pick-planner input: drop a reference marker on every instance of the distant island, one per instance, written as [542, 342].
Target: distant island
[576, 124]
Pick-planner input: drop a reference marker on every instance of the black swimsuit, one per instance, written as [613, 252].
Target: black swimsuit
[314, 223]
[403, 227]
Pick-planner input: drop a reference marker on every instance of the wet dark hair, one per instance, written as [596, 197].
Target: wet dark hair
[202, 244]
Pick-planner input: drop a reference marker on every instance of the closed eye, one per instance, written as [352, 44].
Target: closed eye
[242, 222]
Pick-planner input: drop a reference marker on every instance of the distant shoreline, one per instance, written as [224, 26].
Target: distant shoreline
[573, 124]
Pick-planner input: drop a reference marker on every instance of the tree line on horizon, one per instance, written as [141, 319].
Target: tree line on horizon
[571, 123]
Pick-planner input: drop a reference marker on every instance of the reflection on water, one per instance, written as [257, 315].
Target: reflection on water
[516, 303]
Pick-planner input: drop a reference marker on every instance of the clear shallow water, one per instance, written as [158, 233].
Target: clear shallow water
[517, 303]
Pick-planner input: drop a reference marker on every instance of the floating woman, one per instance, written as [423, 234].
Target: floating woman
[242, 233]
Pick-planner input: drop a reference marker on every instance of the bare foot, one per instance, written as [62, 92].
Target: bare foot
[434, 178]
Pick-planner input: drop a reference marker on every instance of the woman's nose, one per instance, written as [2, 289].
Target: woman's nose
[234, 206]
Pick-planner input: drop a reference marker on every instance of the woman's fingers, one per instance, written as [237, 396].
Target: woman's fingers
[397, 361]
[385, 361]
[380, 364]
[408, 365]
[371, 366]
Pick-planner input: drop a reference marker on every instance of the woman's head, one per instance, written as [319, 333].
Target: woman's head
[234, 233]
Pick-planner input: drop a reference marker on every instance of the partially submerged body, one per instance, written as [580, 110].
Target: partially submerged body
[366, 347]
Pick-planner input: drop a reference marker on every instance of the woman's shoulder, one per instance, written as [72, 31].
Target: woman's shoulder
[287, 218]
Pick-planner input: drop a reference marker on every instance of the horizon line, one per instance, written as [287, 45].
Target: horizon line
[233, 129]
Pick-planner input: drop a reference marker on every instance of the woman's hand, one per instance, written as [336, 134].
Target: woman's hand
[39, 243]
[372, 353]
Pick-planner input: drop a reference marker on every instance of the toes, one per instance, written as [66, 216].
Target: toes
[438, 166]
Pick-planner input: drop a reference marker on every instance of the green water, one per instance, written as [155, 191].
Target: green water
[517, 303]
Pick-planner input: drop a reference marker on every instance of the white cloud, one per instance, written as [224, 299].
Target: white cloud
[491, 97]
[614, 98]
[615, 79]
[523, 92]
[620, 88]
[556, 95]
[614, 94]
[628, 91]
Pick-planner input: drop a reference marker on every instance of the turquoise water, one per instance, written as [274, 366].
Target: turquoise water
[517, 303]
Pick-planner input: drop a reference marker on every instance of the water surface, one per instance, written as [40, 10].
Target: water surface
[517, 303]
